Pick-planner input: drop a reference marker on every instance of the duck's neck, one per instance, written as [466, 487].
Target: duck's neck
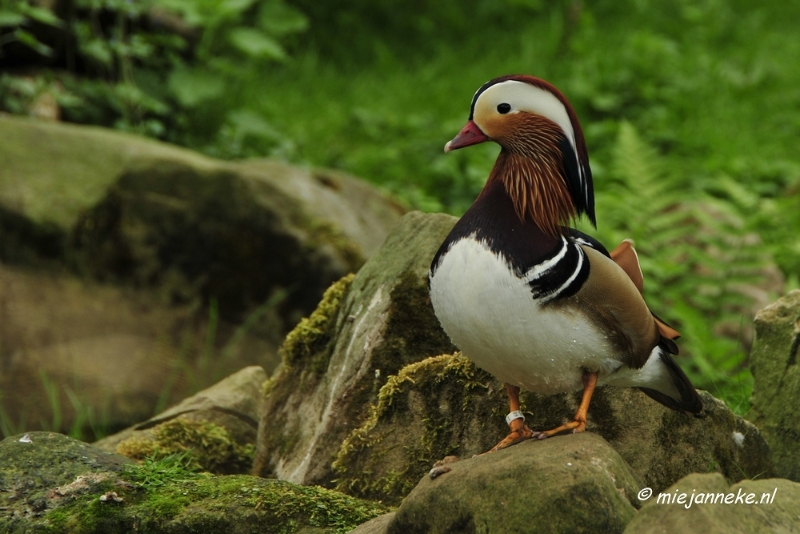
[537, 189]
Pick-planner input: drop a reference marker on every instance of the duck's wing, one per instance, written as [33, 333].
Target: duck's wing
[625, 256]
[684, 397]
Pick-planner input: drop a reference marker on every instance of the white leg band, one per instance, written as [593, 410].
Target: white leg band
[516, 414]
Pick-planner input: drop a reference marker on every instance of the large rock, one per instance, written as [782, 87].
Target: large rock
[446, 406]
[217, 427]
[118, 206]
[51, 483]
[561, 485]
[135, 272]
[365, 329]
[776, 389]
[707, 503]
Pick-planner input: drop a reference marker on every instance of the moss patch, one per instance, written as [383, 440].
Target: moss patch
[445, 405]
[54, 484]
[412, 333]
[387, 462]
[232, 504]
[386, 321]
[311, 338]
[209, 446]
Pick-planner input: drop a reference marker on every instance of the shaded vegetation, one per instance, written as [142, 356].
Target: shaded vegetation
[689, 110]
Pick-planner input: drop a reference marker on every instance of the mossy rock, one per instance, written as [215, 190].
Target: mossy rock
[125, 208]
[773, 507]
[53, 484]
[216, 427]
[566, 484]
[444, 406]
[776, 388]
[366, 328]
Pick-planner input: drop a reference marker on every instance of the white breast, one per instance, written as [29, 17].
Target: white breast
[491, 315]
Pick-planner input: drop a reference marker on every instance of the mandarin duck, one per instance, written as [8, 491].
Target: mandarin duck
[537, 304]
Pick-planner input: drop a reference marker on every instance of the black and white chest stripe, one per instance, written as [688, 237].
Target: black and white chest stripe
[561, 275]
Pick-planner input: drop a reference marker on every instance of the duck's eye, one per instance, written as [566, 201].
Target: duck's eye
[503, 108]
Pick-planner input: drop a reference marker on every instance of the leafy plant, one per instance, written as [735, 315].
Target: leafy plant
[16, 19]
[163, 69]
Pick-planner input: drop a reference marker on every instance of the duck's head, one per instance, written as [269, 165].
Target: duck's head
[543, 162]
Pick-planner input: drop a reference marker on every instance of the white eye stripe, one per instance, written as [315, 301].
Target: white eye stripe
[526, 97]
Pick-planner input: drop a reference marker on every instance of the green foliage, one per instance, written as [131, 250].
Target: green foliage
[19, 15]
[163, 69]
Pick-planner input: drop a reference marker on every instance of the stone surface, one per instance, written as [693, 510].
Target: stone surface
[40, 471]
[121, 207]
[56, 484]
[76, 352]
[230, 408]
[375, 526]
[367, 328]
[446, 406]
[776, 388]
[564, 484]
[778, 512]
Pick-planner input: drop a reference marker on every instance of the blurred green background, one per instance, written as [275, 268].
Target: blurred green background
[690, 108]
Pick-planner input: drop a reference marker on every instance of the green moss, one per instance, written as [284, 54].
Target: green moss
[230, 504]
[412, 333]
[311, 338]
[389, 309]
[209, 446]
[426, 376]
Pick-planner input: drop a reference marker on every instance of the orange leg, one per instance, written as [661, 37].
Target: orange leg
[578, 424]
[519, 430]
